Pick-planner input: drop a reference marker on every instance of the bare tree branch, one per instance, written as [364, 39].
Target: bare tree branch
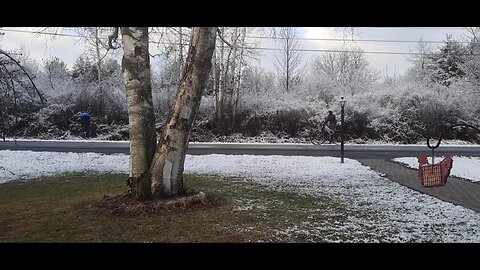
[42, 99]
[223, 39]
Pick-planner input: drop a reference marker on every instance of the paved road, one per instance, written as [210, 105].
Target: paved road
[351, 151]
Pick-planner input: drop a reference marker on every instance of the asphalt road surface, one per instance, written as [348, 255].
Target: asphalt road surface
[350, 151]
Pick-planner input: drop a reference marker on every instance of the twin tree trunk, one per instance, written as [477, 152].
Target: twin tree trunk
[141, 117]
[165, 174]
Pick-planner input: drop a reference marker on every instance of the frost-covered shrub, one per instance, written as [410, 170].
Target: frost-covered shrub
[283, 123]
[288, 121]
[409, 111]
[251, 124]
[50, 121]
[358, 124]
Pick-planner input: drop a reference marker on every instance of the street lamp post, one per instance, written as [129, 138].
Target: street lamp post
[342, 130]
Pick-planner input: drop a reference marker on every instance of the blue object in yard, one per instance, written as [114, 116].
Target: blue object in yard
[85, 122]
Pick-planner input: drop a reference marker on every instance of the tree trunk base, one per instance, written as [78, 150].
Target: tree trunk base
[127, 205]
[139, 187]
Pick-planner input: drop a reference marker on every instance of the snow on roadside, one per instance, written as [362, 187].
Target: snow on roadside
[464, 167]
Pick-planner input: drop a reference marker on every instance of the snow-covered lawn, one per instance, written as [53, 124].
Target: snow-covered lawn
[30, 164]
[464, 167]
[378, 208]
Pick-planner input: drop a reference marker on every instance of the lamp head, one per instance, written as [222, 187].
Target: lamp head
[342, 101]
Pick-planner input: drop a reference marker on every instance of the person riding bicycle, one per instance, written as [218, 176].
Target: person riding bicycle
[330, 124]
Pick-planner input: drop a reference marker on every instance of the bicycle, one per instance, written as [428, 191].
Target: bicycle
[328, 136]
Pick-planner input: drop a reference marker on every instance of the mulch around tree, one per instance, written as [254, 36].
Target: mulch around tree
[126, 206]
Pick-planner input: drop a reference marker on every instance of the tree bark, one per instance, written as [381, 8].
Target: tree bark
[167, 166]
[219, 97]
[229, 101]
[239, 76]
[2, 114]
[141, 117]
[180, 52]
[228, 82]
[99, 70]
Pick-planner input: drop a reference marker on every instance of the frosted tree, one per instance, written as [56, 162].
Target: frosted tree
[445, 66]
[171, 42]
[84, 87]
[56, 77]
[348, 70]
[97, 52]
[229, 63]
[95, 39]
[289, 60]
[18, 92]
[471, 67]
[420, 59]
[259, 90]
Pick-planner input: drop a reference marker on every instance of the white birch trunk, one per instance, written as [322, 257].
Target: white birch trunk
[141, 117]
[167, 166]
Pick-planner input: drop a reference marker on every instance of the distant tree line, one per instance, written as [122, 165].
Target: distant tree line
[243, 100]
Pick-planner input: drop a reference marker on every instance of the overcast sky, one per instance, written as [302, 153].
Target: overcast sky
[383, 63]
[68, 48]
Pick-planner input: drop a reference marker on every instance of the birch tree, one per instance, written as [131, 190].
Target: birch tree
[164, 176]
[166, 171]
[141, 118]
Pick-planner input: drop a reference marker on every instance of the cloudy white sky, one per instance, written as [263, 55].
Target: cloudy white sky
[391, 62]
[68, 48]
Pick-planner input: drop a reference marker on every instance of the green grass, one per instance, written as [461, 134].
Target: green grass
[53, 210]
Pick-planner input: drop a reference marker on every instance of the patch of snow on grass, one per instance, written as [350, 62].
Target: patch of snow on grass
[379, 209]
